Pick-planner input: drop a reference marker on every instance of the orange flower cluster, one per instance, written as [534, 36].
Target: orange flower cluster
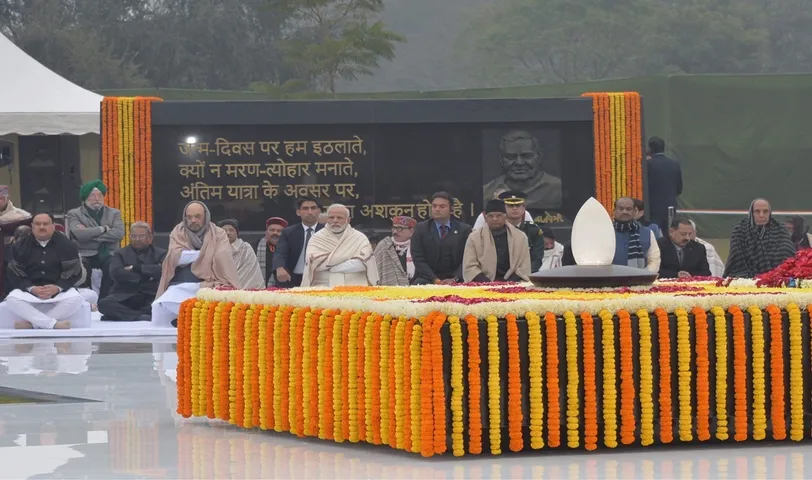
[618, 146]
[126, 152]
[402, 382]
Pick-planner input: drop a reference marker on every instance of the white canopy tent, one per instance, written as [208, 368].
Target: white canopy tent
[35, 100]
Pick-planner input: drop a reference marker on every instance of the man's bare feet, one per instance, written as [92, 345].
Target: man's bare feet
[23, 325]
[94, 307]
[62, 325]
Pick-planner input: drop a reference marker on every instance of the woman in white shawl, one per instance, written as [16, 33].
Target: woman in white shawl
[248, 271]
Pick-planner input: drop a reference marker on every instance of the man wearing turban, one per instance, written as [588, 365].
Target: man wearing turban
[96, 229]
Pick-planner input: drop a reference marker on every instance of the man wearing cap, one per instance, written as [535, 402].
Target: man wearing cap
[267, 247]
[11, 217]
[480, 220]
[136, 272]
[516, 212]
[497, 253]
[198, 257]
[248, 271]
[96, 229]
[393, 254]
[553, 251]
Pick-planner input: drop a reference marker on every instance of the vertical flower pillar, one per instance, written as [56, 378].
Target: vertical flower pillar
[618, 146]
[127, 157]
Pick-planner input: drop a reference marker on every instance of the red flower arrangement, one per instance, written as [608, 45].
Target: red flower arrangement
[795, 268]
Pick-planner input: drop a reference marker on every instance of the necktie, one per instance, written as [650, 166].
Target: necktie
[680, 256]
[443, 231]
[307, 237]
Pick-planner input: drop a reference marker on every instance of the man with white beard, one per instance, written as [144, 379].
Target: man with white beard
[339, 254]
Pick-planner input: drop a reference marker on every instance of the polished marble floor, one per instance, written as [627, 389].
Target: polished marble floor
[127, 428]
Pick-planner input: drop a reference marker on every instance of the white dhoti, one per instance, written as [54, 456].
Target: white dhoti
[166, 307]
[326, 278]
[44, 313]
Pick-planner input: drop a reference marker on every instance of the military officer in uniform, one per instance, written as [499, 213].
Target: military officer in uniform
[515, 206]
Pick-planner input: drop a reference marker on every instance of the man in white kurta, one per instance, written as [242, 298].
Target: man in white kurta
[339, 254]
[199, 256]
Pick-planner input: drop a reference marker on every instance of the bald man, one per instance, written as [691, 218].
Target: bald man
[199, 256]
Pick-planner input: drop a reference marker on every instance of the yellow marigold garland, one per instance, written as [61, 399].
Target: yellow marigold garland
[338, 347]
[684, 375]
[494, 388]
[262, 345]
[417, 338]
[534, 339]
[368, 366]
[796, 374]
[384, 368]
[277, 371]
[457, 441]
[247, 365]
[759, 392]
[646, 379]
[216, 362]
[306, 367]
[232, 363]
[720, 330]
[609, 380]
[195, 343]
[573, 381]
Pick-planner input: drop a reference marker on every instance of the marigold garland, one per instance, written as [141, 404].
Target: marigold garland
[416, 400]
[553, 391]
[796, 374]
[757, 357]
[684, 375]
[407, 386]
[394, 359]
[664, 347]
[573, 381]
[457, 442]
[720, 331]
[609, 380]
[702, 375]
[515, 417]
[438, 386]
[777, 400]
[534, 339]
[627, 392]
[646, 379]
[739, 375]
[494, 388]
[126, 153]
[474, 387]
[590, 390]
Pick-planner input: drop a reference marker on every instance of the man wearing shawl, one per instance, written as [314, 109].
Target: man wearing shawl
[393, 255]
[43, 271]
[199, 256]
[553, 251]
[635, 244]
[249, 274]
[11, 217]
[758, 243]
[97, 230]
[497, 253]
[267, 247]
[339, 254]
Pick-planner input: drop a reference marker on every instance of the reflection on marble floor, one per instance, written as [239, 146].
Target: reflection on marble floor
[132, 431]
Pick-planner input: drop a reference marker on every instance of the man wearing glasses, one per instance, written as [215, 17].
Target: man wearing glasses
[136, 271]
[394, 254]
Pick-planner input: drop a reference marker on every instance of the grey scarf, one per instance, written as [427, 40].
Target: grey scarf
[196, 238]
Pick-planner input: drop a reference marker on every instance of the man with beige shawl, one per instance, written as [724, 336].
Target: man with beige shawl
[339, 254]
[245, 259]
[198, 257]
[499, 252]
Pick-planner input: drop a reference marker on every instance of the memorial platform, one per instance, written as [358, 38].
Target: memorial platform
[491, 369]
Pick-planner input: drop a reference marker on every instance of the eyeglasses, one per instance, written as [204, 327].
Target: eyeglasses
[139, 237]
[400, 229]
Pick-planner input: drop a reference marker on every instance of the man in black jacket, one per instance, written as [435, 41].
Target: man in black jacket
[136, 272]
[681, 257]
[289, 257]
[664, 183]
[44, 268]
[438, 244]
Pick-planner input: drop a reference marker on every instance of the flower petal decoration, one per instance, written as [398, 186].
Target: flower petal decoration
[593, 236]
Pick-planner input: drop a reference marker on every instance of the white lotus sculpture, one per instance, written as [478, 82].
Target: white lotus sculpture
[593, 235]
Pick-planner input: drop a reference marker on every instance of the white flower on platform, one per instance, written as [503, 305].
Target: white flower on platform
[593, 235]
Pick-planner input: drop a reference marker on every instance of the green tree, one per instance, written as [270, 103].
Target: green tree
[335, 39]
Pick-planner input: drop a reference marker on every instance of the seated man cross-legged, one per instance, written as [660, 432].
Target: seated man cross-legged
[199, 256]
[136, 272]
[43, 272]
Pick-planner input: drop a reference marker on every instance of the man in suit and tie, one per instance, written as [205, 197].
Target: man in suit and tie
[681, 257]
[664, 182]
[289, 257]
[438, 244]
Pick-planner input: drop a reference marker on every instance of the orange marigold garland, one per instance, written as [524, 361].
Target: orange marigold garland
[664, 343]
[590, 391]
[627, 392]
[777, 400]
[702, 375]
[474, 387]
[740, 421]
[514, 385]
[426, 409]
[407, 386]
[440, 444]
